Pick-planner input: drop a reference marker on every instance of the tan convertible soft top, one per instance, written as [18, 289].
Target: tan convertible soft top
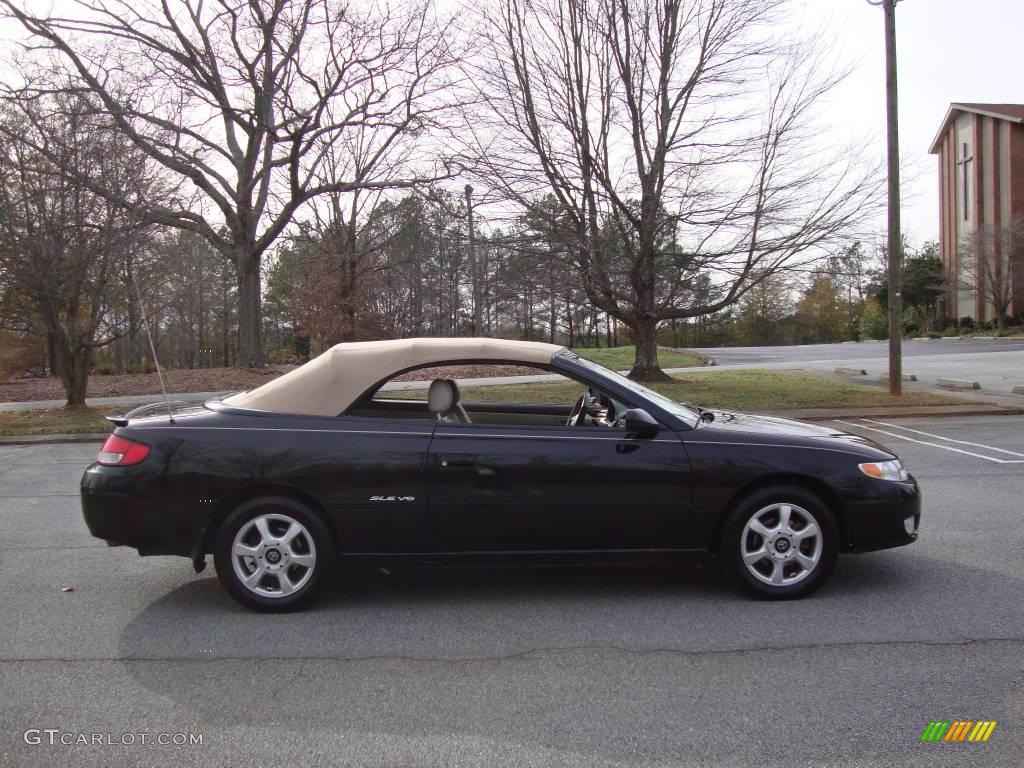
[328, 384]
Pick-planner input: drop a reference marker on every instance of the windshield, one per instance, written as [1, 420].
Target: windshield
[682, 410]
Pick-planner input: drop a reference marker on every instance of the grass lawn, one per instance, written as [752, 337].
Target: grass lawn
[729, 390]
[53, 421]
[621, 358]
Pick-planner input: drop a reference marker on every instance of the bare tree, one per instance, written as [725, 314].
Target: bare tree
[339, 254]
[676, 138]
[61, 244]
[991, 266]
[245, 100]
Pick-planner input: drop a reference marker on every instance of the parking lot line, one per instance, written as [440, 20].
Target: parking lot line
[933, 445]
[947, 439]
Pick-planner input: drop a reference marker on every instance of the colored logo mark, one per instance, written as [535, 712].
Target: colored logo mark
[958, 730]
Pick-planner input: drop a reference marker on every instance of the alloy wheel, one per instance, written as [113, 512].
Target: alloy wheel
[273, 555]
[781, 544]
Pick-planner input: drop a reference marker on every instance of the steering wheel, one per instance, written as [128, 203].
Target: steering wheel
[582, 409]
[575, 416]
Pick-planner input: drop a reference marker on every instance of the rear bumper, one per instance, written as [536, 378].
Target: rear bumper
[153, 526]
[889, 521]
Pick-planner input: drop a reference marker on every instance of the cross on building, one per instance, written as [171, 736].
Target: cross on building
[964, 162]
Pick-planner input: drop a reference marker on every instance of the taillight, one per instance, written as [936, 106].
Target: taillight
[119, 451]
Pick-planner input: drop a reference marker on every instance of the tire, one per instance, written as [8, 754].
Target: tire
[284, 549]
[797, 556]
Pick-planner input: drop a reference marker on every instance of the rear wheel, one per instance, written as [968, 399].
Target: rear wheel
[273, 554]
[780, 542]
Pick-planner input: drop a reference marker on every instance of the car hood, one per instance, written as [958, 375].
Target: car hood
[789, 432]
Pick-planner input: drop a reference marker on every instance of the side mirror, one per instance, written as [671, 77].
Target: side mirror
[640, 422]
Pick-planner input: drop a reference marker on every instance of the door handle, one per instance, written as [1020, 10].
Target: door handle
[456, 462]
[466, 463]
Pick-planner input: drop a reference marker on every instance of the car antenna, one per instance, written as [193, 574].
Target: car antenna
[152, 349]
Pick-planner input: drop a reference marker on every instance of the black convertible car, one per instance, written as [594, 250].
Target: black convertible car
[343, 458]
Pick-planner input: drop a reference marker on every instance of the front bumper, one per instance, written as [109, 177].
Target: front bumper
[890, 520]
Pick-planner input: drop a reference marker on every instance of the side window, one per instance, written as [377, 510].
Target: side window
[490, 393]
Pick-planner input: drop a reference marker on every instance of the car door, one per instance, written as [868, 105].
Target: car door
[372, 474]
[494, 487]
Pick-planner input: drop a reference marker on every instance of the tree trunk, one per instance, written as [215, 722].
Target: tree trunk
[76, 384]
[250, 327]
[645, 336]
[645, 367]
[73, 369]
[203, 356]
[1002, 309]
[474, 265]
[554, 303]
[51, 354]
[568, 318]
[134, 352]
[225, 336]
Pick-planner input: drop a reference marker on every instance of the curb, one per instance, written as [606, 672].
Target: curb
[958, 384]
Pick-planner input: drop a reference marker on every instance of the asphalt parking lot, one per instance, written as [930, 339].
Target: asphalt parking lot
[499, 667]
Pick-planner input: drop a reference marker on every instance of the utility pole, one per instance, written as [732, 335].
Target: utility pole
[474, 265]
[895, 248]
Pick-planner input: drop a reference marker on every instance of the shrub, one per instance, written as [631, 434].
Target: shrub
[911, 322]
[283, 356]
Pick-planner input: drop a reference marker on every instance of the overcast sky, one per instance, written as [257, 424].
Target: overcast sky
[949, 50]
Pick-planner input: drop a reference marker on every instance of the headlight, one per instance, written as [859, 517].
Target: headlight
[886, 470]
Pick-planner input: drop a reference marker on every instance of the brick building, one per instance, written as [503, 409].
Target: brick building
[981, 183]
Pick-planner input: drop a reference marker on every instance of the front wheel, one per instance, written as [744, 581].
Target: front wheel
[780, 542]
[273, 554]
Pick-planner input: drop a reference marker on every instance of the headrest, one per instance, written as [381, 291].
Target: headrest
[442, 395]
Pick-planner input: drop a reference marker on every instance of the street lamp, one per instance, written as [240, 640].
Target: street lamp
[895, 249]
